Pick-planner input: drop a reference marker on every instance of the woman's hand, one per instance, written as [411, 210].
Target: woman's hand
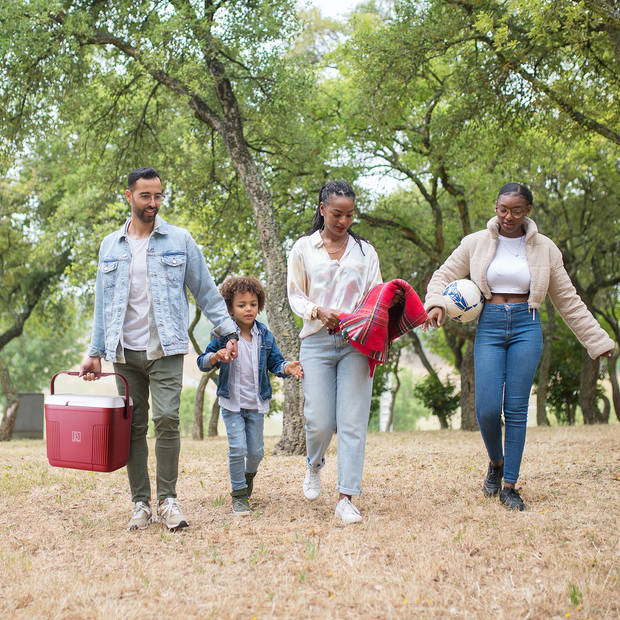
[399, 296]
[435, 318]
[607, 353]
[329, 318]
[295, 369]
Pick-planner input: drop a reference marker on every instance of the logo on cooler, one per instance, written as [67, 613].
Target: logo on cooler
[76, 436]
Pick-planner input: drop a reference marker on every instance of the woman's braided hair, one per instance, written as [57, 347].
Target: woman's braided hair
[326, 193]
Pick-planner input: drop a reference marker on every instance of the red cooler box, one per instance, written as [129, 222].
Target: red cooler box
[87, 431]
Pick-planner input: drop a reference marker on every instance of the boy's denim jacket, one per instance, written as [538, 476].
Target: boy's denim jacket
[174, 263]
[269, 358]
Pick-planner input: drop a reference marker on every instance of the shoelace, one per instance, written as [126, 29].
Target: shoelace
[169, 507]
[139, 508]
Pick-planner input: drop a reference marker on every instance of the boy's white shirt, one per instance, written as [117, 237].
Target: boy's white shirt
[234, 402]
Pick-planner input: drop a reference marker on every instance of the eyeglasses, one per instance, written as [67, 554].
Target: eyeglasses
[516, 212]
[156, 198]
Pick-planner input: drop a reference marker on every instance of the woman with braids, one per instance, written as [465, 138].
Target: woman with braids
[515, 267]
[330, 269]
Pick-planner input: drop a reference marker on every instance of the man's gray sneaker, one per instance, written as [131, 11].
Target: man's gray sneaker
[140, 516]
[170, 514]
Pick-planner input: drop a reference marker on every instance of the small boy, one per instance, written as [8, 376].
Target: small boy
[243, 386]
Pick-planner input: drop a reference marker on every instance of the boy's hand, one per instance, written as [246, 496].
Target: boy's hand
[231, 349]
[223, 355]
[295, 369]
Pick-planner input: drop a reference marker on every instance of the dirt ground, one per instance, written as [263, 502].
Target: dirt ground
[430, 545]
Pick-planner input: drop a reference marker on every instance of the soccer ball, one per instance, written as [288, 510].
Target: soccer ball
[464, 300]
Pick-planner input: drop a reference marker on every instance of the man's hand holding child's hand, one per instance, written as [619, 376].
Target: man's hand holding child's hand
[295, 369]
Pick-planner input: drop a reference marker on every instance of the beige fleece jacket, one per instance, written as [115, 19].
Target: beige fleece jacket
[476, 251]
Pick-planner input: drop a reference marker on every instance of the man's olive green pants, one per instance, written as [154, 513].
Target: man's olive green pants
[164, 378]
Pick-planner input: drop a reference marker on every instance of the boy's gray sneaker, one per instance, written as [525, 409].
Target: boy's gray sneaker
[170, 514]
[140, 516]
[249, 480]
[240, 504]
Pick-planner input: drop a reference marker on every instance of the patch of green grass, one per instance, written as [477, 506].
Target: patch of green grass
[574, 593]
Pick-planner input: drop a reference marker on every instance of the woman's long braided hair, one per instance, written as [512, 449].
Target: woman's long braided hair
[328, 191]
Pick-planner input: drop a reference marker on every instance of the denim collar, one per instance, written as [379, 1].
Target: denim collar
[161, 227]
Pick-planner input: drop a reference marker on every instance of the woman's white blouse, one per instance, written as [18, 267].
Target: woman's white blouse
[316, 280]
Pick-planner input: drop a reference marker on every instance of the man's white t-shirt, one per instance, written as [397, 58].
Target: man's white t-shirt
[136, 324]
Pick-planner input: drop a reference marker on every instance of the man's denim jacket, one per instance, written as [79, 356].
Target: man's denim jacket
[174, 264]
[269, 358]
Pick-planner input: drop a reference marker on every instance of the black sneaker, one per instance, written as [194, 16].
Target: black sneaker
[240, 504]
[493, 482]
[249, 480]
[511, 499]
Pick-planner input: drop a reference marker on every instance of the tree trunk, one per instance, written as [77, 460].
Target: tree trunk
[587, 390]
[215, 416]
[394, 392]
[570, 415]
[468, 393]
[443, 423]
[12, 403]
[198, 430]
[545, 368]
[281, 321]
[293, 439]
[613, 378]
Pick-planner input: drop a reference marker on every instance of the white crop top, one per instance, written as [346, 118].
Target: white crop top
[509, 271]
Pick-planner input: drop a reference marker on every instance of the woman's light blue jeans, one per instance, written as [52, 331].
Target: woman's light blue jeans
[245, 444]
[337, 389]
[507, 350]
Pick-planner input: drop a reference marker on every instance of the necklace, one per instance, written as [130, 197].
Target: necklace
[337, 250]
[520, 252]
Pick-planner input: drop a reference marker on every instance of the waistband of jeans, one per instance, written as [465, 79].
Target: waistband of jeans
[521, 306]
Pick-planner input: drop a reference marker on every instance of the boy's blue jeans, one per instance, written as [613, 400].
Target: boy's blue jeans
[245, 444]
[337, 388]
[507, 350]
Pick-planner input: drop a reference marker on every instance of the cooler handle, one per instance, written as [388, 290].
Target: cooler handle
[101, 374]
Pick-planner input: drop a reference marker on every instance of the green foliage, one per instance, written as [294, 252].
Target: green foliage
[186, 411]
[408, 408]
[438, 397]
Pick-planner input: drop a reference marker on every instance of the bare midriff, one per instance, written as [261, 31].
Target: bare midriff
[507, 298]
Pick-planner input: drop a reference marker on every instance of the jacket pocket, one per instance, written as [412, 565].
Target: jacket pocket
[109, 270]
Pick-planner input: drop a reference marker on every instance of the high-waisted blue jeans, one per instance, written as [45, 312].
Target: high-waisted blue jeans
[507, 350]
[337, 390]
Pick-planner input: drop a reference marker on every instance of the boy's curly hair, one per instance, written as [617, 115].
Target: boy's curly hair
[242, 285]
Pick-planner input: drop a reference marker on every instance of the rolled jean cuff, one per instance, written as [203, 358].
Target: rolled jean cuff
[315, 467]
[348, 491]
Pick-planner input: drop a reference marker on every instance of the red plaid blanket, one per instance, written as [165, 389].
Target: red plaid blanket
[373, 325]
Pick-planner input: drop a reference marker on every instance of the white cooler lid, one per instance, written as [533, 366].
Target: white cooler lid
[86, 400]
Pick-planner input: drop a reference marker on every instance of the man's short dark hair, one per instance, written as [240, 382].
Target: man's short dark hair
[141, 173]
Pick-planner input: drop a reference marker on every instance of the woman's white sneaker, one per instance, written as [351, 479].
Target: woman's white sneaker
[312, 483]
[346, 511]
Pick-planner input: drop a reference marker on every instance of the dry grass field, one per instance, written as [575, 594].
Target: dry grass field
[430, 545]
